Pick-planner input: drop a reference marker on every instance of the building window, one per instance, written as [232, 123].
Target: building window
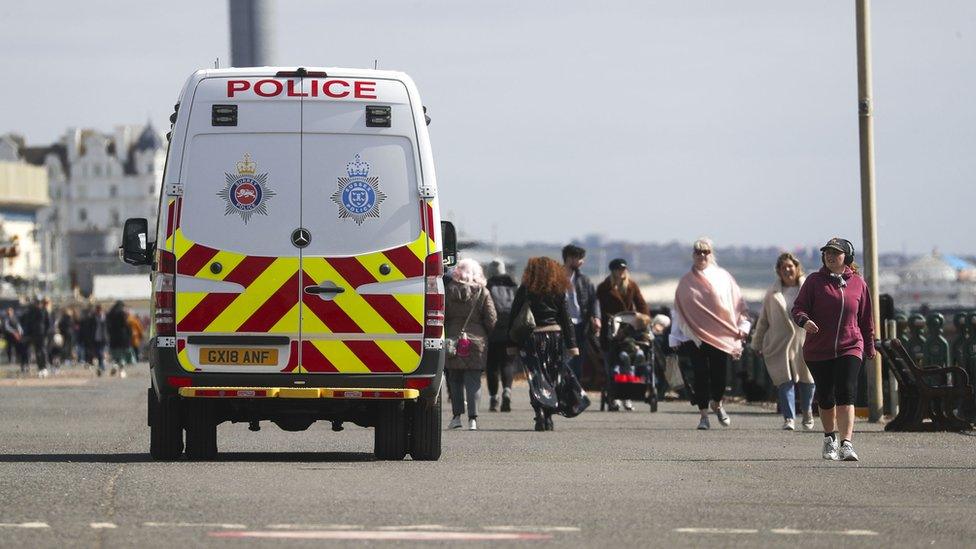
[83, 215]
[116, 220]
[113, 191]
[152, 188]
[97, 170]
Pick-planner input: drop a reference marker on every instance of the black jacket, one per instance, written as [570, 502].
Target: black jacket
[119, 334]
[548, 310]
[502, 289]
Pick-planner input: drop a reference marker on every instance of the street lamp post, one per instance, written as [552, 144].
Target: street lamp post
[868, 211]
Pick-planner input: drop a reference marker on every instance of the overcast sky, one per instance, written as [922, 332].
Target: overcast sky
[644, 121]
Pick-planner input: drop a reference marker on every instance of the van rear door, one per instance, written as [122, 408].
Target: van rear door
[362, 272]
[238, 275]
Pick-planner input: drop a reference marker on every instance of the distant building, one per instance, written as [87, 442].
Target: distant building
[96, 181]
[23, 194]
[933, 281]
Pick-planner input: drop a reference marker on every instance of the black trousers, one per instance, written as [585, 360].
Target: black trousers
[500, 365]
[836, 380]
[711, 372]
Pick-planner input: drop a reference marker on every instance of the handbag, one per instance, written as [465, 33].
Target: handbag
[522, 324]
[461, 347]
[672, 372]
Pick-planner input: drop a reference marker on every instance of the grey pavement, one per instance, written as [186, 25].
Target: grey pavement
[74, 471]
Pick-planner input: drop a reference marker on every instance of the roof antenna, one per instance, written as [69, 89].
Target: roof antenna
[375, 61]
[217, 63]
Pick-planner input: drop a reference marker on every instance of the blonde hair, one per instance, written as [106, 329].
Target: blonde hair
[469, 271]
[787, 256]
[705, 243]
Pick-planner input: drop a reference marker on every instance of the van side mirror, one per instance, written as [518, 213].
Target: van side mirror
[448, 244]
[135, 245]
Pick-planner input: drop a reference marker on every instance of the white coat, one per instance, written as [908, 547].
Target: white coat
[780, 340]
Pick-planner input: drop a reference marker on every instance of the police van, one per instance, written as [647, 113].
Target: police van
[297, 261]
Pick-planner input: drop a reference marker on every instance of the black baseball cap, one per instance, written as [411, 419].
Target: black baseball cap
[841, 245]
[618, 264]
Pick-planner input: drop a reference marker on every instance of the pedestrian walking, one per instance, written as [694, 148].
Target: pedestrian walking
[66, 329]
[37, 327]
[502, 354]
[780, 342]
[616, 294]
[469, 318]
[119, 338]
[710, 320]
[834, 308]
[13, 336]
[136, 331]
[584, 307]
[95, 335]
[543, 291]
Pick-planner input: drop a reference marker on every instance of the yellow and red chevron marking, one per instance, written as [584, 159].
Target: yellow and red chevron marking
[360, 356]
[271, 290]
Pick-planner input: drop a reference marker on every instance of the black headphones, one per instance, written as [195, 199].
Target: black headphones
[848, 253]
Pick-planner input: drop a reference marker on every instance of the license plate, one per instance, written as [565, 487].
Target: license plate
[229, 356]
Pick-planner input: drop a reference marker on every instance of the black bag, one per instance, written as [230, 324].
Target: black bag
[523, 323]
[572, 398]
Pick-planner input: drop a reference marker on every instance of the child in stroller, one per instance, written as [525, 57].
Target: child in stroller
[630, 374]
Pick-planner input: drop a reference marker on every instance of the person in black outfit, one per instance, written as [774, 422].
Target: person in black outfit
[501, 352]
[584, 307]
[37, 328]
[119, 337]
[544, 286]
[13, 335]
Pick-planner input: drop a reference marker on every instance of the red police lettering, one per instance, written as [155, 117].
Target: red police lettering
[327, 88]
[363, 88]
[275, 84]
[234, 86]
[292, 92]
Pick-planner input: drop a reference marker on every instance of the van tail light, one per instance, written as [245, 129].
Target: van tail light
[164, 292]
[434, 297]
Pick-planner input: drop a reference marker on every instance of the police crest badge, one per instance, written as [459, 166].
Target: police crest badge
[359, 195]
[246, 193]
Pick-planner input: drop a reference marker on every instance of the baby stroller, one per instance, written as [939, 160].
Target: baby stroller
[631, 361]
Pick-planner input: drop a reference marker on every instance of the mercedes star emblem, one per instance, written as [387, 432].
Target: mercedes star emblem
[300, 237]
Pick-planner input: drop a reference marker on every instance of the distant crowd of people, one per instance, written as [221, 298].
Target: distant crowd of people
[50, 338]
[813, 333]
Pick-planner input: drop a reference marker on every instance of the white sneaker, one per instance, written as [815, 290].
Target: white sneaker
[723, 417]
[472, 424]
[629, 405]
[789, 424]
[455, 423]
[808, 421]
[846, 452]
[43, 373]
[830, 449]
[122, 373]
[703, 424]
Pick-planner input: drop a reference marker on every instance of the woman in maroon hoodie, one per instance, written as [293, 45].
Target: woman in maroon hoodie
[834, 308]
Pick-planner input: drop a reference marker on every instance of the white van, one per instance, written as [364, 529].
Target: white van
[297, 261]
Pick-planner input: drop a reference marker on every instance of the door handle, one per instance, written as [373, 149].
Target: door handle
[323, 290]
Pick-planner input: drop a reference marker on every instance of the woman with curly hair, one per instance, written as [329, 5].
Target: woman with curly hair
[543, 289]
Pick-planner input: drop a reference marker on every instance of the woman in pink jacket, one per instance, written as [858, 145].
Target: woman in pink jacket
[834, 308]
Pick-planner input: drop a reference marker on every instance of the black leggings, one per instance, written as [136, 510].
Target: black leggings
[836, 380]
[500, 364]
[711, 372]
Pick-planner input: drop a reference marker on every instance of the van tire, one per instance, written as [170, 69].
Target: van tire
[201, 431]
[425, 435]
[390, 434]
[165, 430]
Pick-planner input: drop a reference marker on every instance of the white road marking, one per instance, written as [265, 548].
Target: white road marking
[103, 525]
[717, 530]
[314, 526]
[792, 531]
[194, 524]
[531, 528]
[415, 527]
[24, 525]
[385, 535]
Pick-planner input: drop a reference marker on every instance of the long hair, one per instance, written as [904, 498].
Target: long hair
[469, 271]
[544, 275]
[787, 256]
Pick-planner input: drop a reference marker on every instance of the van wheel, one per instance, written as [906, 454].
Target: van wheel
[425, 436]
[201, 430]
[165, 431]
[390, 434]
